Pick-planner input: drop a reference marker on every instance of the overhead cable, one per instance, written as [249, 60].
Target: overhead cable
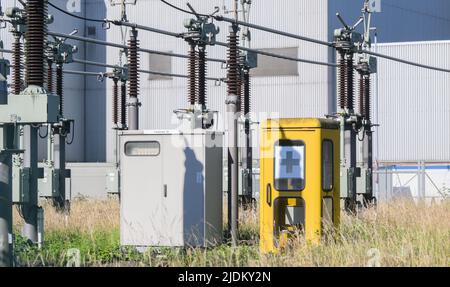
[75, 16]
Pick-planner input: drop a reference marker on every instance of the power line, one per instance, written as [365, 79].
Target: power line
[97, 64]
[178, 35]
[233, 21]
[6, 51]
[104, 43]
[405, 61]
[183, 10]
[75, 16]
[145, 28]
[220, 18]
[268, 54]
[82, 73]
[273, 31]
[92, 63]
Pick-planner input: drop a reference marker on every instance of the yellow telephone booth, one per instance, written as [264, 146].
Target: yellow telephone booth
[299, 180]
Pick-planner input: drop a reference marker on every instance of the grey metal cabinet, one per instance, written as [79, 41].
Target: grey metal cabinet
[171, 188]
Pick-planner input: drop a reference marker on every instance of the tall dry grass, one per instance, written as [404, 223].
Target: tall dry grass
[394, 234]
[85, 216]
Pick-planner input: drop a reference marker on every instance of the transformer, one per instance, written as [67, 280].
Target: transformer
[171, 188]
[299, 181]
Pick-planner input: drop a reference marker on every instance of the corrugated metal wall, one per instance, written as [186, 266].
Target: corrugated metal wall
[309, 94]
[96, 98]
[414, 104]
[304, 95]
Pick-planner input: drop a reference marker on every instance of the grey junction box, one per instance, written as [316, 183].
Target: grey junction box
[171, 188]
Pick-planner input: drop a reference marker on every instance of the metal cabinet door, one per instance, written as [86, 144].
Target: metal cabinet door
[184, 184]
[142, 188]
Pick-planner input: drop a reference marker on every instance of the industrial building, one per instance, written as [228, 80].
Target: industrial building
[306, 110]
[411, 105]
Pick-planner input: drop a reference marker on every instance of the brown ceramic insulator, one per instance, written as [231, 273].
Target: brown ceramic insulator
[233, 65]
[192, 72]
[247, 100]
[350, 101]
[202, 70]
[367, 97]
[133, 62]
[342, 93]
[115, 102]
[36, 33]
[17, 65]
[123, 104]
[361, 96]
[59, 87]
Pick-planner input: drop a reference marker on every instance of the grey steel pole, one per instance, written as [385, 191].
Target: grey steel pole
[249, 162]
[59, 134]
[368, 158]
[233, 166]
[30, 209]
[50, 146]
[60, 164]
[248, 158]
[353, 168]
[6, 217]
[233, 104]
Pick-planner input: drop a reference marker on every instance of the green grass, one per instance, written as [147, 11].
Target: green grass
[102, 248]
[399, 234]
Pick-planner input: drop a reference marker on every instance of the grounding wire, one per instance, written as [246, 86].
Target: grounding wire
[183, 10]
[75, 16]
[121, 46]
[92, 63]
[268, 54]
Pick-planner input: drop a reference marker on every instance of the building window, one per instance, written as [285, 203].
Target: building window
[289, 165]
[91, 31]
[270, 66]
[160, 63]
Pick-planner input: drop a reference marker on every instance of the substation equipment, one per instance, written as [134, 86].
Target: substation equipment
[299, 183]
[356, 179]
[29, 106]
[171, 180]
[55, 184]
[366, 65]
[248, 61]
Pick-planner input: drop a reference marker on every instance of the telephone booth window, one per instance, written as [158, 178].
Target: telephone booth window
[289, 165]
[327, 211]
[327, 165]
